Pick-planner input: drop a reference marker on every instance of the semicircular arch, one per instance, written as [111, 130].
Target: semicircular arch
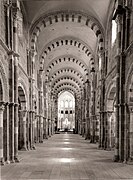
[66, 70]
[61, 16]
[67, 59]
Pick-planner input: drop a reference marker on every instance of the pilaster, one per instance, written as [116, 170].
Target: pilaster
[11, 132]
[1, 133]
[33, 130]
[6, 133]
[30, 130]
[27, 129]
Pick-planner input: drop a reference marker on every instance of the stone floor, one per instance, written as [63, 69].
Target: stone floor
[66, 157]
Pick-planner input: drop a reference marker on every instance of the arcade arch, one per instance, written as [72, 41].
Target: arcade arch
[111, 120]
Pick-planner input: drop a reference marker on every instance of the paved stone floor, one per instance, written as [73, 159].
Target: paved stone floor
[66, 157]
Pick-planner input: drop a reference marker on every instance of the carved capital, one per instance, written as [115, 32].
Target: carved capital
[2, 106]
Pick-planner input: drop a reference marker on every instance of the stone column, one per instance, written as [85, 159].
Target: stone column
[81, 103]
[49, 116]
[6, 133]
[41, 105]
[11, 108]
[119, 28]
[24, 117]
[76, 119]
[93, 116]
[106, 134]
[45, 112]
[27, 129]
[83, 114]
[30, 129]
[49, 122]
[52, 127]
[46, 128]
[102, 97]
[122, 109]
[33, 131]
[87, 87]
[52, 114]
[56, 111]
[15, 48]
[35, 127]
[16, 110]
[1, 134]
[32, 97]
[130, 134]
[40, 129]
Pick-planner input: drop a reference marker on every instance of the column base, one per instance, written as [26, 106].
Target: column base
[12, 161]
[23, 149]
[16, 159]
[116, 158]
[130, 161]
[45, 137]
[125, 161]
[92, 140]
[2, 162]
[41, 141]
[7, 162]
[28, 147]
[121, 161]
[100, 147]
[108, 149]
[33, 147]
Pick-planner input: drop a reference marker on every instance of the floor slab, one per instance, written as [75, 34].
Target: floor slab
[66, 157]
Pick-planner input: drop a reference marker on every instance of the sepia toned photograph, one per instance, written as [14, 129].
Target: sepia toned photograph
[66, 89]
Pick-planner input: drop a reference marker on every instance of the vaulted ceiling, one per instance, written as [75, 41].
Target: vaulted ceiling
[66, 35]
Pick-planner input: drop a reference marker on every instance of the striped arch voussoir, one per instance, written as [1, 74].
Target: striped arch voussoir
[65, 16]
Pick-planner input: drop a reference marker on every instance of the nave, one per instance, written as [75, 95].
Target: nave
[66, 66]
[67, 157]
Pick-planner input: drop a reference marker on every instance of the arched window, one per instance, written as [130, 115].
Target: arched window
[114, 31]
[66, 104]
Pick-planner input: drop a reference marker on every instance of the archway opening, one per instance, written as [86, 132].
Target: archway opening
[66, 112]
[21, 118]
[111, 120]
